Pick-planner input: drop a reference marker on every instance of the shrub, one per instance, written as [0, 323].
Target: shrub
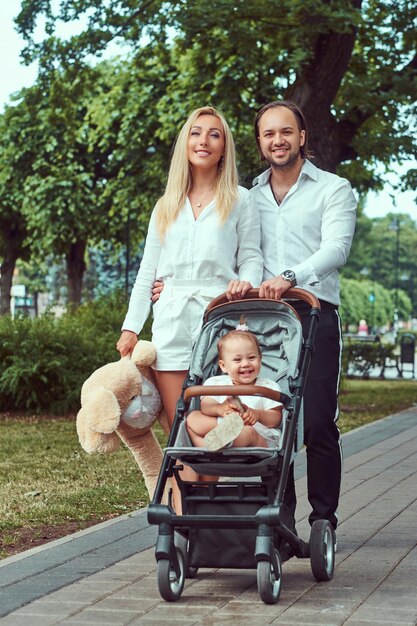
[362, 356]
[44, 361]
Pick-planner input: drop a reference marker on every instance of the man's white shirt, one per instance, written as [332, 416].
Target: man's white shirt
[310, 232]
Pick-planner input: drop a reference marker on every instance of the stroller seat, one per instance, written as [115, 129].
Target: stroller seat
[226, 462]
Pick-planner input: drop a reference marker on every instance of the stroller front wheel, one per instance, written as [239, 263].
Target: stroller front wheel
[171, 584]
[269, 576]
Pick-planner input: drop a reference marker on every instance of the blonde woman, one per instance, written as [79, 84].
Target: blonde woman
[203, 240]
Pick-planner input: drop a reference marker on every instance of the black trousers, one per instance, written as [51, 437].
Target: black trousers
[321, 435]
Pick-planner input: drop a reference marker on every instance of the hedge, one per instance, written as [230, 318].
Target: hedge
[44, 361]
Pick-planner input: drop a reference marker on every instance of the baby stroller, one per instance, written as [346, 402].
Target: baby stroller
[240, 521]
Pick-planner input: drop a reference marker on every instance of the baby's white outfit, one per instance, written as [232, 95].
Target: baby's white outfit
[272, 436]
[196, 261]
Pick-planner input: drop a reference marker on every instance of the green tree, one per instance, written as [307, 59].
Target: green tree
[125, 126]
[62, 191]
[383, 254]
[16, 157]
[378, 310]
[351, 65]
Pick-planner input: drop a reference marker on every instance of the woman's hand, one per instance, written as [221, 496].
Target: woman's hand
[236, 289]
[157, 289]
[127, 341]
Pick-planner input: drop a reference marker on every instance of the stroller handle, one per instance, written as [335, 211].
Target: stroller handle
[232, 390]
[253, 294]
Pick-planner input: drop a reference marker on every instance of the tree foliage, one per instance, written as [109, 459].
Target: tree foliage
[383, 252]
[15, 165]
[84, 153]
[351, 65]
[370, 300]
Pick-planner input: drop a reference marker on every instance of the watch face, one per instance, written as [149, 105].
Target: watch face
[290, 276]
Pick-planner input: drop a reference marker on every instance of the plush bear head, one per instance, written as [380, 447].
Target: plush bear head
[120, 401]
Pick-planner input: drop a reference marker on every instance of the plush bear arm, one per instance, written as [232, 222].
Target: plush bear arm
[144, 353]
[94, 442]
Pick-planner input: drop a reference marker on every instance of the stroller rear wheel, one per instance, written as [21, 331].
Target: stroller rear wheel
[269, 575]
[171, 584]
[322, 550]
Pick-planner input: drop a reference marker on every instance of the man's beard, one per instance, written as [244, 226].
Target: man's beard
[291, 160]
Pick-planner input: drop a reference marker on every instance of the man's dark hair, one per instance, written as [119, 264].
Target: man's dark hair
[299, 116]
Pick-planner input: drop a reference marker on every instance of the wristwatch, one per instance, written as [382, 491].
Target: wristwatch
[290, 277]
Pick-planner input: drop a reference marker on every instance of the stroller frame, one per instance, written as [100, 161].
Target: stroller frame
[267, 533]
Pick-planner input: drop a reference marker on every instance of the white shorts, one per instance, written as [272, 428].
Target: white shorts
[178, 316]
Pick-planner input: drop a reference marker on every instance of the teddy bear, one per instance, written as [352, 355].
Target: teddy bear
[120, 401]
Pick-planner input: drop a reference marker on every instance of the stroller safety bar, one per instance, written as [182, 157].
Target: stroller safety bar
[233, 390]
[253, 294]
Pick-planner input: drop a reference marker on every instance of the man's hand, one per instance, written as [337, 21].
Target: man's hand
[274, 288]
[127, 341]
[236, 289]
[157, 289]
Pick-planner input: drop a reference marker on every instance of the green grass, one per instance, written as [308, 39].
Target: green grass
[364, 401]
[46, 479]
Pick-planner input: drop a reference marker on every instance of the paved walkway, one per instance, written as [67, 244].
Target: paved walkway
[106, 574]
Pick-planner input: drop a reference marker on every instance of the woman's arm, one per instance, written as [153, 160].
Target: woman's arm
[140, 298]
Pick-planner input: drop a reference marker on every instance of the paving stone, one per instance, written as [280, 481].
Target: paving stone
[176, 611]
[153, 621]
[238, 620]
[32, 620]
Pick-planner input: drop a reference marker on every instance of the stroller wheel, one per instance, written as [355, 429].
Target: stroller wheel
[171, 584]
[269, 575]
[322, 550]
[181, 542]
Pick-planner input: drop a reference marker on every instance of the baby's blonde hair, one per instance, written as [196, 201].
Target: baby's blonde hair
[180, 180]
[238, 333]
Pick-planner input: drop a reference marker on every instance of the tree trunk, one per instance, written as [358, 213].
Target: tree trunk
[314, 91]
[6, 278]
[75, 271]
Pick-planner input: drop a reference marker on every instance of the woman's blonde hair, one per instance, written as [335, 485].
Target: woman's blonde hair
[180, 179]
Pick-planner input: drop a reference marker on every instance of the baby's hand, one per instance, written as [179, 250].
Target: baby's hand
[236, 405]
[250, 417]
[226, 407]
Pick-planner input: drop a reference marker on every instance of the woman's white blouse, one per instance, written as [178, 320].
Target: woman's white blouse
[199, 249]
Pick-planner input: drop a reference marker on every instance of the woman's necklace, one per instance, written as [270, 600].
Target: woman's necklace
[199, 203]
